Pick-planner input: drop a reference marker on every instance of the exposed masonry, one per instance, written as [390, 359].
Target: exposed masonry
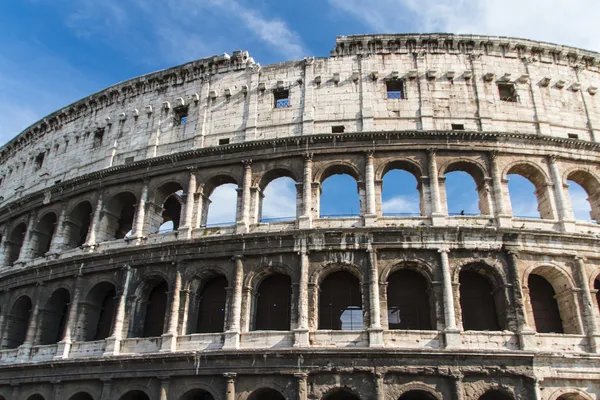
[96, 303]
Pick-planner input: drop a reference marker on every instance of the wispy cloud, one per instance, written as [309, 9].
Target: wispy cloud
[573, 23]
[223, 204]
[280, 199]
[401, 204]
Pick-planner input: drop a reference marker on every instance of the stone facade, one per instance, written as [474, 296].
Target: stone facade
[96, 303]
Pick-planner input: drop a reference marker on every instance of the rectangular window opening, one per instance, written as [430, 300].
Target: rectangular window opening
[508, 92]
[181, 116]
[223, 141]
[337, 129]
[282, 98]
[395, 89]
[458, 127]
[129, 160]
[39, 160]
[98, 136]
[573, 136]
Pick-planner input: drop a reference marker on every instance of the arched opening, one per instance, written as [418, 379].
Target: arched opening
[166, 213]
[597, 287]
[117, 220]
[220, 202]
[341, 394]
[15, 243]
[495, 395]
[339, 193]
[36, 397]
[580, 204]
[273, 304]
[42, 235]
[586, 199]
[401, 193]
[544, 305]
[197, 394]
[211, 308]
[77, 225]
[530, 196]
[278, 200]
[152, 309]
[465, 191]
[17, 322]
[98, 312]
[478, 303]
[340, 302]
[266, 394]
[408, 301]
[135, 395]
[571, 396]
[417, 395]
[81, 396]
[54, 317]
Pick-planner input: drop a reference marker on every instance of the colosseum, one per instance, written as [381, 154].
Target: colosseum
[98, 301]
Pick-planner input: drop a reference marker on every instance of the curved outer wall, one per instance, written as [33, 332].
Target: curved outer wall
[86, 310]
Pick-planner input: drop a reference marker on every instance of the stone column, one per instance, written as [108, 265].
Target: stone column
[58, 240]
[95, 225]
[106, 389]
[301, 332]
[56, 386]
[232, 336]
[185, 229]
[185, 300]
[503, 219]
[451, 330]
[26, 251]
[458, 387]
[169, 339]
[140, 212]
[15, 390]
[566, 223]
[379, 386]
[64, 346]
[523, 331]
[229, 385]
[302, 378]
[437, 216]
[589, 316]
[164, 389]
[371, 213]
[32, 330]
[113, 343]
[375, 331]
[305, 220]
[243, 223]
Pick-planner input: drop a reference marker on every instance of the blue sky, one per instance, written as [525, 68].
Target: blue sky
[54, 52]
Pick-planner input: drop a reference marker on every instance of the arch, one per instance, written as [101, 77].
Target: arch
[41, 239]
[591, 186]
[540, 181]
[597, 288]
[276, 173]
[17, 322]
[337, 168]
[77, 225]
[340, 302]
[567, 393]
[211, 302]
[197, 394]
[118, 216]
[266, 394]
[273, 303]
[482, 301]
[496, 395]
[54, 317]
[277, 201]
[404, 164]
[36, 397]
[341, 394]
[81, 396]
[15, 243]
[98, 312]
[151, 308]
[352, 205]
[167, 203]
[135, 395]
[544, 306]
[226, 197]
[417, 395]
[409, 301]
[397, 198]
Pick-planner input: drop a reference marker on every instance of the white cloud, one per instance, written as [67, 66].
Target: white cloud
[572, 22]
[223, 205]
[280, 199]
[401, 204]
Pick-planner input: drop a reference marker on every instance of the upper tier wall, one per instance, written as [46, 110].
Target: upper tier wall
[448, 79]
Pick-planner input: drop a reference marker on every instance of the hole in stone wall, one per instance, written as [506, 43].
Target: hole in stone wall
[572, 136]
[266, 394]
[544, 305]
[462, 195]
[495, 395]
[98, 137]
[43, 234]
[135, 395]
[54, 317]
[339, 197]
[211, 309]
[508, 92]
[458, 127]
[279, 201]
[197, 394]
[99, 310]
[417, 395]
[273, 302]
[15, 243]
[523, 197]
[408, 301]
[156, 308]
[39, 161]
[395, 89]
[223, 141]
[400, 194]
[477, 303]
[281, 98]
[340, 302]
[78, 226]
[337, 129]
[17, 322]
[180, 116]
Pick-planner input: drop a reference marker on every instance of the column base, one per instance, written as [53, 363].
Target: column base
[527, 340]
[113, 347]
[567, 226]
[594, 343]
[135, 240]
[24, 352]
[375, 337]
[438, 219]
[168, 343]
[184, 233]
[88, 248]
[62, 350]
[241, 227]
[304, 222]
[301, 338]
[452, 339]
[504, 221]
[232, 341]
[369, 219]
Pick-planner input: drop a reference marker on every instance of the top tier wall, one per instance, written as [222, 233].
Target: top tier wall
[448, 79]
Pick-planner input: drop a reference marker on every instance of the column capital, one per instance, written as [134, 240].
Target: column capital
[308, 156]
[237, 257]
[247, 163]
[578, 257]
[432, 151]
[229, 375]
[494, 154]
[301, 375]
[192, 169]
[444, 251]
[369, 153]
[553, 158]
